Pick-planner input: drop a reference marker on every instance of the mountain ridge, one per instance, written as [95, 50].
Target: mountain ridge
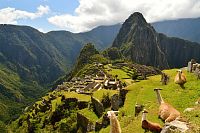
[186, 28]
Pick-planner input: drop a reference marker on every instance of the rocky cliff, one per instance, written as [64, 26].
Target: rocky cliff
[138, 41]
[178, 51]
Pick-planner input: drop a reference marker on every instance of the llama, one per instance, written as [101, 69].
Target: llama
[180, 78]
[114, 123]
[166, 111]
[138, 109]
[149, 126]
[164, 79]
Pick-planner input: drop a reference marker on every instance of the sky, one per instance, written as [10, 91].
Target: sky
[83, 15]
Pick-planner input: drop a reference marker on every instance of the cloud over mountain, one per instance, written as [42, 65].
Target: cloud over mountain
[92, 13]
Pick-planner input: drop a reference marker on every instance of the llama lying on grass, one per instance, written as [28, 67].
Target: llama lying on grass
[114, 123]
[180, 78]
[150, 126]
[166, 111]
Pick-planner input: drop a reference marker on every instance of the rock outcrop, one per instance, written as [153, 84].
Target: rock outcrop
[175, 127]
[115, 102]
[84, 123]
[98, 106]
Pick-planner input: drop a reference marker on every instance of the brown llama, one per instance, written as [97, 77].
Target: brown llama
[150, 126]
[166, 111]
[180, 78]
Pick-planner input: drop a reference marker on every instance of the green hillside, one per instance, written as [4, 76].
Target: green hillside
[15, 94]
[139, 91]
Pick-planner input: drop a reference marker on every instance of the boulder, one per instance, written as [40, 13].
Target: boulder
[175, 127]
[115, 102]
[188, 110]
[84, 123]
[98, 106]
[189, 67]
[122, 96]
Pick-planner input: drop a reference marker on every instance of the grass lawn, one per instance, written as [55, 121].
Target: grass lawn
[123, 74]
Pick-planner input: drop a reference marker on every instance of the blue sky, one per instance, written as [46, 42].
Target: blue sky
[56, 7]
[83, 15]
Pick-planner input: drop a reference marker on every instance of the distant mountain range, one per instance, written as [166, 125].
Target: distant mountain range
[188, 29]
[37, 55]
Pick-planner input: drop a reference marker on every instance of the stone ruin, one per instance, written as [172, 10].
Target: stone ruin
[194, 67]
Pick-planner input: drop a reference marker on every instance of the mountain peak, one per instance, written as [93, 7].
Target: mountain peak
[138, 41]
[87, 51]
[136, 18]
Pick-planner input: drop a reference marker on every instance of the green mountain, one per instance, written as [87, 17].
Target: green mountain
[45, 57]
[85, 55]
[188, 28]
[15, 95]
[31, 60]
[137, 40]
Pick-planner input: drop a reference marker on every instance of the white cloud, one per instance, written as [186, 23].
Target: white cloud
[92, 13]
[11, 15]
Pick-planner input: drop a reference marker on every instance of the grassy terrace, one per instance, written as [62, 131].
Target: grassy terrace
[80, 97]
[142, 93]
[124, 74]
[89, 114]
[99, 94]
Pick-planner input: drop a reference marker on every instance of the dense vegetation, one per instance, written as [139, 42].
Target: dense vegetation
[15, 94]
